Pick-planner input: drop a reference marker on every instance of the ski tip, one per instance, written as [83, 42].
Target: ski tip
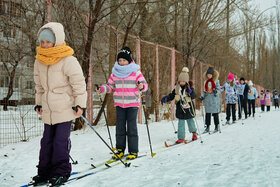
[165, 144]
[153, 154]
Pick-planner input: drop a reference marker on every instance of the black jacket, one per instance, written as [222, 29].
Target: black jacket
[180, 112]
[246, 90]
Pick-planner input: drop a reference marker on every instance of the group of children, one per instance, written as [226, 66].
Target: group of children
[60, 85]
[266, 97]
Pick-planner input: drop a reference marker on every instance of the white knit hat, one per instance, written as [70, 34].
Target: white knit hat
[184, 75]
[250, 83]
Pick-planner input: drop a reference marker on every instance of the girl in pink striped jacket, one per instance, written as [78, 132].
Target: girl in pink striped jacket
[126, 81]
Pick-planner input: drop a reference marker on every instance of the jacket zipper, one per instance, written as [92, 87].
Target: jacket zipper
[123, 92]
[48, 94]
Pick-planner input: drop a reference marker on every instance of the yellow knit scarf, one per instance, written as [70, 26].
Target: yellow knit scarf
[52, 55]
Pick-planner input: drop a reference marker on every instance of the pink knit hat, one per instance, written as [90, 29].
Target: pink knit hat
[231, 76]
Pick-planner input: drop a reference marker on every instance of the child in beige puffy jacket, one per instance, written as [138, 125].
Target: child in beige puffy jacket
[60, 85]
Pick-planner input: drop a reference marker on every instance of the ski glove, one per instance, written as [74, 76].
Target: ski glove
[164, 100]
[189, 91]
[215, 92]
[39, 107]
[201, 98]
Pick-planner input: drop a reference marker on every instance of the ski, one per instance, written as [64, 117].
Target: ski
[125, 161]
[213, 132]
[170, 145]
[30, 184]
[70, 180]
[106, 162]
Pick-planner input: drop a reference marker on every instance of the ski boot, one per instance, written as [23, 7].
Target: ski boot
[39, 180]
[132, 156]
[206, 130]
[118, 155]
[227, 123]
[194, 137]
[216, 128]
[180, 141]
[58, 180]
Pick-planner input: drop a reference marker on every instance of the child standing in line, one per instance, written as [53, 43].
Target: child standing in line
[60, 85]
[185, 110]
[211, 97]
[252, 95]
[268, 100]
[242, 91]
[276, 99]
[126, 82]
[262, 100]
[231, 98]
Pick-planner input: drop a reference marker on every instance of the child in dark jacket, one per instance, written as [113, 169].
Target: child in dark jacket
[276, 99]
[185, 110]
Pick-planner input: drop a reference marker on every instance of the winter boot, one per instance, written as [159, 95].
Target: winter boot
[58, 180]
[216, 128]
[206, 130]
[132, 156]
[194, 136]
[180, 141]
[118, 155]
[39, 180]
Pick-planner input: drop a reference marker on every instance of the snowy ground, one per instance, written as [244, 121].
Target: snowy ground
[242, 155]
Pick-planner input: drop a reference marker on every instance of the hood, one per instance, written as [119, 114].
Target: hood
[57, 29]
[215, 76]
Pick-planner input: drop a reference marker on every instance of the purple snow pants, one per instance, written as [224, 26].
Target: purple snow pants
[55, 149]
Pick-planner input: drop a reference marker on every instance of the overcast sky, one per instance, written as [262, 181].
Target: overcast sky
[264, 4]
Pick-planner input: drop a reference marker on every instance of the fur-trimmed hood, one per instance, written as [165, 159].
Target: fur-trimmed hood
[215, 76]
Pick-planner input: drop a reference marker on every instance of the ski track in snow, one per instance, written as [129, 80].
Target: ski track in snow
[242, 155]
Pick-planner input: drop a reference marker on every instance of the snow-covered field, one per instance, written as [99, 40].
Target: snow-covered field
[242, 155]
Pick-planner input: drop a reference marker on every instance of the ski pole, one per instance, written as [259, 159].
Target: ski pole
[85, 119]
[146, 121]
[240, 108]
[73, 162]
[101, 101]
[171, 118]
[202, 112]
[201, 141]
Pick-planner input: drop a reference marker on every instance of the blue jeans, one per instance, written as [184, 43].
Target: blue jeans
[181, 127]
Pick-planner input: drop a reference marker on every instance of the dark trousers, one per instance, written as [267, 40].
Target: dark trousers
[231, 109]
[242, 105]
[55, 149]
[208, 119]
[127, 126]
[262, 107]
[276, 104]
[251, 105]
[267, 108]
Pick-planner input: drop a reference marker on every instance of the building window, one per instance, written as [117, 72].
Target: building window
[10, 8]
[29, 85]
[9, 31]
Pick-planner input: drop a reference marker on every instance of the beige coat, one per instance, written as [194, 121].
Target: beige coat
[61, 86]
